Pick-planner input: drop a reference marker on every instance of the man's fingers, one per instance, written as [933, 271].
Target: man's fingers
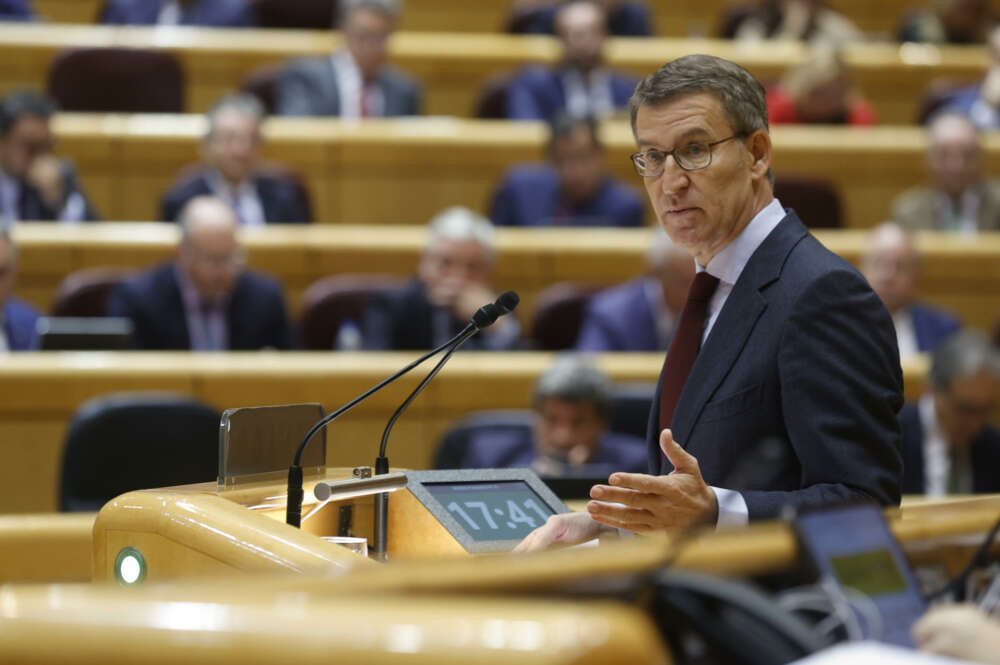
[627, 496]
[636, 481]
[682, 460]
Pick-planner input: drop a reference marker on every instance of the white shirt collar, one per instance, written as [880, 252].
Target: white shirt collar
[729, 262]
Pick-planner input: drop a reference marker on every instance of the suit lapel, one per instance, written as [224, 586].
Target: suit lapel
[735, 322]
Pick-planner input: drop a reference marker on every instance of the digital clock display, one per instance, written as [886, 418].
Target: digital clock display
[488, 511]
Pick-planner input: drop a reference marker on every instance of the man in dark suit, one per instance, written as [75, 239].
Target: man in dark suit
[781, 341]
[640, 315]
[206, 13]
[231, 152]
[16, 10]
[453, 282]
[205, 300]
[625, 19]
[581, 84]
[574, 190]
[949, 447]
[572, 404]
[34, 183]
[891, 264]
[17, 318]
[354, 82]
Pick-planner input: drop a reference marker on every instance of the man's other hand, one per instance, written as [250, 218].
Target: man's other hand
[561, 531]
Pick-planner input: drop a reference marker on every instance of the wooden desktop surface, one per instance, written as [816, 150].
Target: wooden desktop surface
[403, 171]
[452, 67]
[961, 273]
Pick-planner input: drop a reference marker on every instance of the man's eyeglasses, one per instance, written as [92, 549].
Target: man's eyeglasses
[690, 157]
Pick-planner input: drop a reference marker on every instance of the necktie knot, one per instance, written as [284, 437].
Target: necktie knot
[703, 286]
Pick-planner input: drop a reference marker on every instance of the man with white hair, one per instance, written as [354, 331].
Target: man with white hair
[452, 283]
[641, 315]
[205, 300]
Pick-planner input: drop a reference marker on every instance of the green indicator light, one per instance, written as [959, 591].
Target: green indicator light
[130, 566]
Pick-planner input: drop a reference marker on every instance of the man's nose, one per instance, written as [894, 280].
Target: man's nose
[673, 179]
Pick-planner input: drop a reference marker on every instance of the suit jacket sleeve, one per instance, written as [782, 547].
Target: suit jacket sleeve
[377, 325]
[122, 303]
[522, 103]
[295, 92]
[841, 388]
[593, 334]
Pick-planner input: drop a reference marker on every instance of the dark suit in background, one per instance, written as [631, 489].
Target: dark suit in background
[32, 207]
[207, 13]
[278, 197]
[629, 19]
[508, 449]
[932, 326]
[984, 453]
[309, 87]
[620, 319]
[403, 319]
[532, 196]
[803, 352]
[19, 319]
[537, 93]
[16, 10]
[256, 315]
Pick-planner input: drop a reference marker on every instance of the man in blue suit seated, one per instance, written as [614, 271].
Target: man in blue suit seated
[205, 300]
[205, 13]
[581, 84]
[575, 189]
[625, 19]
[640, 315]
[453, 282]
[231, 153]
[949, 447]
[572, 404]
[891, 264]
[355, 81]
[34, 183]
[17, 318]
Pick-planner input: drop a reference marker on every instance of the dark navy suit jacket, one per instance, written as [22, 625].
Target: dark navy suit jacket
[19, 319]
[31, 206]
[506, 449]
[802, 353]
[984, 451]
[207, 13]
[309, 87]
[16, 10]
[280, 198]
[537, 93]
[256, 316]
[530, 196]
[620, 319]
[629, 19]
[932, 326]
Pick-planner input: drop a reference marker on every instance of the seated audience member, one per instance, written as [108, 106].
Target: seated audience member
[581, 84]
[891, 264]
[574, 189]
[17, 318]
[625, 19]
[206, 13]
[797, 20]
[453, 282]
[231, 153]
[354, 82]
[34, 183]
[964, 632]
[948, 445]
[16, 10]
[981, 102]
[818, 91]
[204, 300]
[959, 197]
[572, 403]
[948, 22]
[641, 315]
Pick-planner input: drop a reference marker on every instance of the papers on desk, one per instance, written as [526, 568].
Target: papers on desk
[874, 653]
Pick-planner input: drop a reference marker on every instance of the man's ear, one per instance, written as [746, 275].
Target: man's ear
[759, 147]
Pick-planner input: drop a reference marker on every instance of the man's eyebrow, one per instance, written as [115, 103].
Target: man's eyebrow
[694, 131]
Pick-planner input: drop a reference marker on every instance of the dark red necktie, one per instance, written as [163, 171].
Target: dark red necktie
[684, 347]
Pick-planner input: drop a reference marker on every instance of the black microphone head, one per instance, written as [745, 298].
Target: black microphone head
[507, 302]
[486, 315]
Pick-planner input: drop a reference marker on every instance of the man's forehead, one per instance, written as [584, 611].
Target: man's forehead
[686, 115]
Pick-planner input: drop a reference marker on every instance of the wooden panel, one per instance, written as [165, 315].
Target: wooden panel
[46, 548]
[452, 67]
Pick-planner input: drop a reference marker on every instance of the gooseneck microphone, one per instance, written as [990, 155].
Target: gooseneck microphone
[485, 316]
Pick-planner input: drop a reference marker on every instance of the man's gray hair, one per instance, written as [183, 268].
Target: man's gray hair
[458, 223]
[245, 103]
[574, 379]
[390, 8]
[965, 353]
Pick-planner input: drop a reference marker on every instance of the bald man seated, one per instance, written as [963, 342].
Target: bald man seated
[205, 299]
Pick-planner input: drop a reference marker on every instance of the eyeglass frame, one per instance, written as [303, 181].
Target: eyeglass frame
[671, 153]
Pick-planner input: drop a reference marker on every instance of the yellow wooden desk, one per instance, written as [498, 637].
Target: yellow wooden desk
[403, 171]
[959, 273]
[453, 67]
[50, 547]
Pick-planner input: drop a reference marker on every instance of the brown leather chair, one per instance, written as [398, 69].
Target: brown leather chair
[815, 200]
[85, 292]
[294, 14]
[262, 83]
[122, 80]
[558, 315]
[491, 103]
[330, 302]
